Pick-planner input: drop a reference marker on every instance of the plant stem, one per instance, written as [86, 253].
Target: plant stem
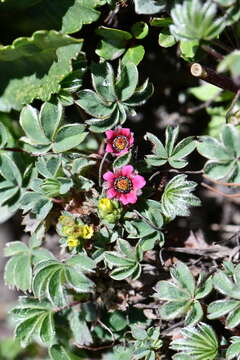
[100, 169]
[212, 52]
[212, 77]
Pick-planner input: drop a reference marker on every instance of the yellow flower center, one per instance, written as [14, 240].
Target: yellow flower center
[120, 143]
[123, 184]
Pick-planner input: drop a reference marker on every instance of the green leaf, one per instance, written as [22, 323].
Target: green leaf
[140, 30]
[18, 270]
[193, 20]
[80, 330]
[183, 275]
[50, 276]
[189, 50]
[220, 308]
[35, 67]
[34, 319]
[199, 343]
[103, 80]
[127, 80]
[94, 105]
[58, 352]
[122, 160]
[134, 54]
[31, 125]
[149, 7]
[234, 349]
[165, 39]
[178, 197]
[68, 137]
[114, 43]
[50, 118]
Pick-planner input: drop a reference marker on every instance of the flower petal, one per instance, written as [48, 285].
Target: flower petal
[124, 131]
[131, 198]
[121, 152]
[110, 134]
[127, 170]
[131, 139]
[138, 182]
[109, 148]
[109, 176]
[111, 193]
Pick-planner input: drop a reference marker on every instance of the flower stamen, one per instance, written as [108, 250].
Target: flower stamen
[120, 143]
[123, 184]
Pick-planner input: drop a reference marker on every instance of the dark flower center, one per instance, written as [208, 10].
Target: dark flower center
[120, 143]
[123, 184]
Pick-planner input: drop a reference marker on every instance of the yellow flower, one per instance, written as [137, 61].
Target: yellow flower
[67, 230]
[66, 220]
[77, 231]
[72, 242]
[87, 231]
[105, 205]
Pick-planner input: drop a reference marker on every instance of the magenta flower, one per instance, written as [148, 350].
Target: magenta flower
[119, 141]
[124, 184]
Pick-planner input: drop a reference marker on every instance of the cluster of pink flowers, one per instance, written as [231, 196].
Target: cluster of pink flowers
[123, 184]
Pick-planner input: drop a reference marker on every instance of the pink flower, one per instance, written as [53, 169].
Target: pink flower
[119, 141]
[124, 184]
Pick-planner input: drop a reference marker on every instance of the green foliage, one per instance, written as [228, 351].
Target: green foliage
[34, 320]
[194, 20]
[148, 226]
[178, 197]
[230, 287]
[126, 260]
[43, 130]
[113, 97]
[183, 294]
[171, 152]
[51, 276]
[111, 291]
[149, 6]
[223, 154]
[18, 270]
[233, 352]
[147, 342]
[33, 68]
[197, 343]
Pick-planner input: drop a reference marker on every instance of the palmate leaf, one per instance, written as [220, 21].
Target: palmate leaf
[58, 352]
[18, 270]
[41, 62]
[182, 295]
[44, 131]
[51, 278]
[198, 343]
[34, 320]
[233, 351]
[223, 154]
[195, 20]
[178, 198]
[114, 96]
[148, 227]
[171, 152]
[230, 287]
[126, 261]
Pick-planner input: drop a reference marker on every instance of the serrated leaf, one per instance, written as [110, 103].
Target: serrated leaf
[46, 53]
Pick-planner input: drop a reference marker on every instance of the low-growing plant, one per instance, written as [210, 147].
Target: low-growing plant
[120, 259]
